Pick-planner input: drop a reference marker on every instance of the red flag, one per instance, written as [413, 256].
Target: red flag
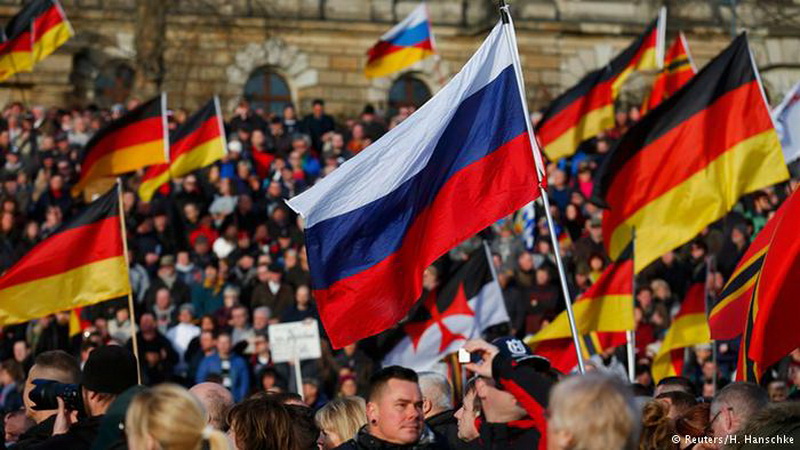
[771, 332]
[678, 70]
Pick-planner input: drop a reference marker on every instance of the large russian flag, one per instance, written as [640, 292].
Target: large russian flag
[462, 161]
[407, 42]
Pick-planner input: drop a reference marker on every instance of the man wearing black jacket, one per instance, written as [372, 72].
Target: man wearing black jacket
[513, 390]
[52, 365]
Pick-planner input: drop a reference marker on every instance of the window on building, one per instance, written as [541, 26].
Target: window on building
[267, 90]
[114, 83]
[101, 83]
[407, 91]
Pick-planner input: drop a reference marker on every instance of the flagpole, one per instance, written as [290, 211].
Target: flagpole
[630, 335]
[508, 26]
[130, 291]
[706, 290]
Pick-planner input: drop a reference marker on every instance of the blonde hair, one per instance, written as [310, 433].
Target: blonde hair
[344, 416]
[597, 411]
[173, 418]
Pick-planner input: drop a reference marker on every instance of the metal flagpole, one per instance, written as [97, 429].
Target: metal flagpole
[706, 290]
[508, 27]
[630, 335]
[130, 292]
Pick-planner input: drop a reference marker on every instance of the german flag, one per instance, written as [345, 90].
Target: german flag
[687, 162]
[587, 108]
[81, 264]
[771, 330]
[602, 315]
[51, 29]
[606, 306]
[135, 140]
[678, 70]
[688, 328]
[197, 143]
[16, 48]
[728, 315]
[561, 352]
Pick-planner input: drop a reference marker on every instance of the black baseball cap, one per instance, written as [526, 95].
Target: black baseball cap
[520, 353]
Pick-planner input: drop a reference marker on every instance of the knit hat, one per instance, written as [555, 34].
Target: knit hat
[109, 370]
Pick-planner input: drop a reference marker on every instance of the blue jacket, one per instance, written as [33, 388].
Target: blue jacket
[240, 375]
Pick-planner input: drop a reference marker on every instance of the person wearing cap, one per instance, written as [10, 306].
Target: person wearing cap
[168, 278]
[513, 389]
[108, 372]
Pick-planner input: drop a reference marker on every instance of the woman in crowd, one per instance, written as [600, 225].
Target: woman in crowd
[168, 417]
[340, 420]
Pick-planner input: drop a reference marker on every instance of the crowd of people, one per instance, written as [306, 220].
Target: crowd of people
[217, 257]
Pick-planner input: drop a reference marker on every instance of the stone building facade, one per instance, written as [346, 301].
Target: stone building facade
[279, 51]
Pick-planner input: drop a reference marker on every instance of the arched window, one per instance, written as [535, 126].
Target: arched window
[407, 91]
[267, 90]
[114, 83]
[100, 82]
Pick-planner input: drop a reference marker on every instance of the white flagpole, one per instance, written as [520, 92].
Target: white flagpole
[630, 335]
[508, 27]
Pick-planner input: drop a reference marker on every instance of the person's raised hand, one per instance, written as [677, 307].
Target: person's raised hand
[486, 351]
[64, 418]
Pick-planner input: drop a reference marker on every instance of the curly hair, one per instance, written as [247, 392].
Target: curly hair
[657, 427]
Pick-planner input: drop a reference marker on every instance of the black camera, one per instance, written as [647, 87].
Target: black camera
[44, 394]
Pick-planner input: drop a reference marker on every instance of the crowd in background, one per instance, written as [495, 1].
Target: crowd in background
[217, 257]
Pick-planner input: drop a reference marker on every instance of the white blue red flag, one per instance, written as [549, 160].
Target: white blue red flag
[461, 162]
[409, 41]
[787, 124]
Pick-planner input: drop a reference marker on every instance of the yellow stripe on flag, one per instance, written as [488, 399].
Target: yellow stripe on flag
[122, 161]
[686, 331]
[51, 41]
[82, 286]
[13, 63]
[149, 187]
[589, 125]
[199, 157]
[648, 61]
[600, 314]
[682, 212]
[396, 61]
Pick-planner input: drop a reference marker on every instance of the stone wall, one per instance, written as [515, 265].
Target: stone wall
[319, 45]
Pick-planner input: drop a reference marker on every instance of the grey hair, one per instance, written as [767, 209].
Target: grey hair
[231, 290]
[264, 310]
[746, 399]
[302, 137]
[436, 388]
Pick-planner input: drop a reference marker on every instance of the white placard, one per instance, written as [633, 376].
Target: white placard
[291, 340]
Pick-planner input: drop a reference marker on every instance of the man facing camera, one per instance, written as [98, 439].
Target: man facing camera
[395, 418]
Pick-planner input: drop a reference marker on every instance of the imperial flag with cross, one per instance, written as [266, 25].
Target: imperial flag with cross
[461, 307]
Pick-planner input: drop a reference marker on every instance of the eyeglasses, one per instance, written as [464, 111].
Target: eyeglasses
[710, 428]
